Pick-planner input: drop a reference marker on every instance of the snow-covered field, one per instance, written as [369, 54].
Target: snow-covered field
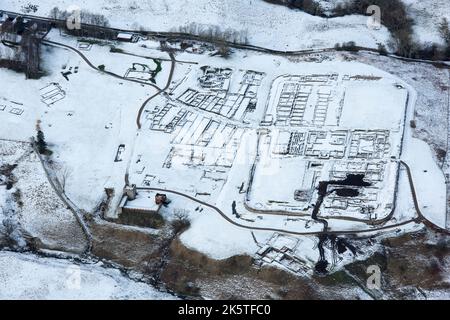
[267, 25]
[33, 205]
[97, 114]
[427, 15]
[430, 116]
[27, 276]
[95, 141]
[432, 96]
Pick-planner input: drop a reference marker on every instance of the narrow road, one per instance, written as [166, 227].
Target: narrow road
[147, 57]
[63, 197]
[141, 110]
[223, 215]
[420, 219]
[169, 80]
[185, 36]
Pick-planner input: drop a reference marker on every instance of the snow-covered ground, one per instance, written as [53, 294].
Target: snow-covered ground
[427, 14]
[430, 116]
[33, 205]
[267, 25]
[429, 181]
[98, 113]
[438, 295]
[418, 156]
[95, 121]
[430, 110]
[27, 276]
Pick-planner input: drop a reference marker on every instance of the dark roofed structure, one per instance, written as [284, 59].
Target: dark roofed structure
[20, 44]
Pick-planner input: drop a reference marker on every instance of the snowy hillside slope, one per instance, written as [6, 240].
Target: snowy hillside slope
[26, 276]
[427, 14]
[266, 24]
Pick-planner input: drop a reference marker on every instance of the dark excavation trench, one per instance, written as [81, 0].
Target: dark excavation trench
[351, 182]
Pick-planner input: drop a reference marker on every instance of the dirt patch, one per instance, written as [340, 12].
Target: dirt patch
[168, 263]
[418, 260]
[408, 264]
[192, 273]
[145, 220]
[130, 247]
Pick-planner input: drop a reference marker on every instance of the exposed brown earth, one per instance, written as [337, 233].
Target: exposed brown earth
[130, 247]
[415, 260]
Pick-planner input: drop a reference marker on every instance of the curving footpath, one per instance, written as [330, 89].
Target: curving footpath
[77, 213]
[89, 63]
[169, 80]
[223, 215]
[420, 219]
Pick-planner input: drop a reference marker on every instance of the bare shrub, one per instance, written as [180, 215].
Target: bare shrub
[85, 16]
[224, 51]
[181, 222]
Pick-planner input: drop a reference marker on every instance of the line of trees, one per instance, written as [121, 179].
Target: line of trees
[215, 33]
[394, 17]
[309, 6]
[93, 24]
[444, 31]
[85, 17]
